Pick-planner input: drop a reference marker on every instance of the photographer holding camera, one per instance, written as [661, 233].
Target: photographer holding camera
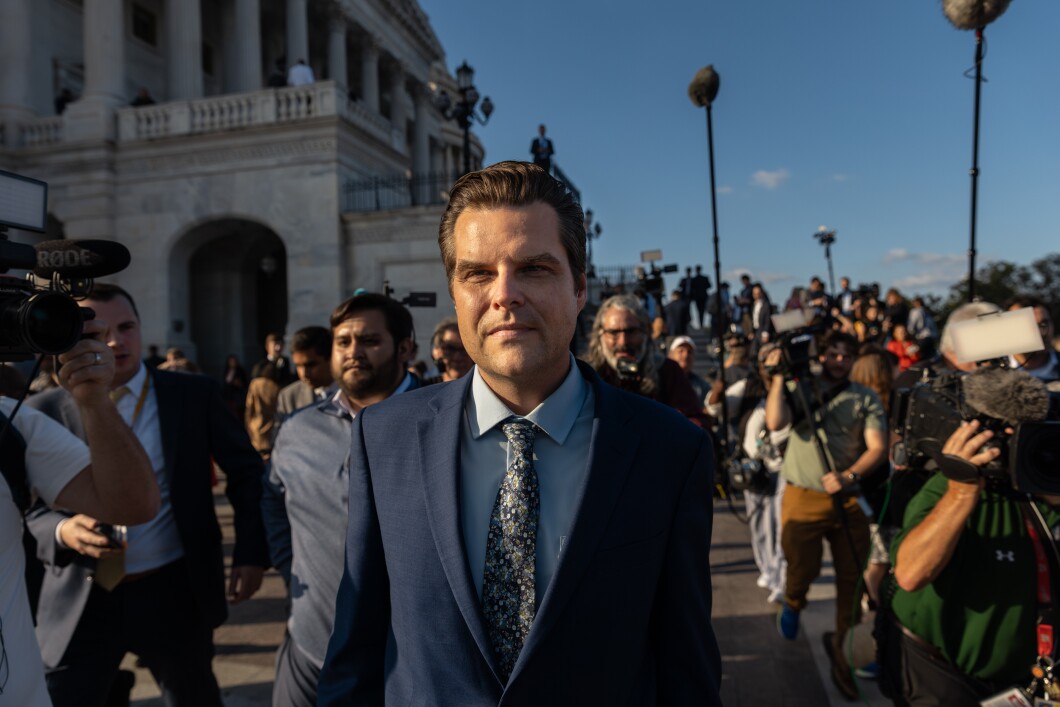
[620, 351]
[974, 572]
[111, 480]
[832, 444]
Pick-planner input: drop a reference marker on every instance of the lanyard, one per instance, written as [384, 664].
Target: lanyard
[141, 400]
[1043, 592]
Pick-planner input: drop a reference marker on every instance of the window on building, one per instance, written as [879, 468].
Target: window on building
[145, 25]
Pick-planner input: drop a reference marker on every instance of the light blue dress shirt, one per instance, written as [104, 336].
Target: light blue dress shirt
[561, 456]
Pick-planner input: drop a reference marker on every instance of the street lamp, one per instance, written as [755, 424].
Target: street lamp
[827, 238]
[592, 231]
[463, 110]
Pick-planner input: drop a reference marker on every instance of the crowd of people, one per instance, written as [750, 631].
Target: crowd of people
[518, 505]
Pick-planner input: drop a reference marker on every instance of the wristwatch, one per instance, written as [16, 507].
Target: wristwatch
[853, 477]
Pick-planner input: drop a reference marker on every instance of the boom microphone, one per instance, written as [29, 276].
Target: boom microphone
[1007, 395]
[80, 259]
[704, 87]
[973, 14]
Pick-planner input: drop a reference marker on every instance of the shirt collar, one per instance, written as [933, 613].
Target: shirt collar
[339, 399]
[135, 383]
[556, 415]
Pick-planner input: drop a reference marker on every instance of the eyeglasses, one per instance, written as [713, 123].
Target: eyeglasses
[629, 333]
[450, 349]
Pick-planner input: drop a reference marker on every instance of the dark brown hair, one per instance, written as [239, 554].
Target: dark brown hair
[513, 183]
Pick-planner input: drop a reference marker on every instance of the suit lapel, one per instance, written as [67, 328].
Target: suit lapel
[439, 440]
[169, 414]
[611, 452]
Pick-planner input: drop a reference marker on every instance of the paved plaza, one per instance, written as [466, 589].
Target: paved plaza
[759, 668]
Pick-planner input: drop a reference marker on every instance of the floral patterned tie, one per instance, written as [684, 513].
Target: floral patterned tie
[508, 593]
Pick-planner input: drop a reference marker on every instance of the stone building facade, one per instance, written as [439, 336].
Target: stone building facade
[241, 204]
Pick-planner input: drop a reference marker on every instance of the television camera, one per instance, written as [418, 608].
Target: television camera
[1011, 403]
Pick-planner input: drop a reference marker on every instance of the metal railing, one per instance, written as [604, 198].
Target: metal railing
[397, 192]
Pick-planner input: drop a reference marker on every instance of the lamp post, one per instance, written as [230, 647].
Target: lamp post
[463, 110]
[827, 238]
[592, 231]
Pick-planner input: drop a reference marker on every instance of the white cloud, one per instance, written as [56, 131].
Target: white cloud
[840, 177]
[765, 277]
[770, 180]
[901, 255]
[933, 281]
[725, 190]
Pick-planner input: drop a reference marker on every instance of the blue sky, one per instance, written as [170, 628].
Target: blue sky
[846, 113]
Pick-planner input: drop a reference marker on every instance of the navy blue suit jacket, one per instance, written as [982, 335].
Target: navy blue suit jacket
[626, 617]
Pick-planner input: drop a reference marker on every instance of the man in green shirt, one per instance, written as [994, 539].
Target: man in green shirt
[966, 605]
[853, 428]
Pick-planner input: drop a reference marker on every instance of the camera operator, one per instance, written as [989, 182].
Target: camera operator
[820, 501]
[620, 350]
[111, 480]
[965, 616]
[746, 403]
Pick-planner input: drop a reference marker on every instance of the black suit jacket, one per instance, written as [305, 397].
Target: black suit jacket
[626, 617]
[196, 426]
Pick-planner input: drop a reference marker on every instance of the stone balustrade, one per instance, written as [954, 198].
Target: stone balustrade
[244, 110]
[41, 131]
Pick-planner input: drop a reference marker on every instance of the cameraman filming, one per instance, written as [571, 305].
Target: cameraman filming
[975, 581]
[111, 480]
[620, 351]
[831, 446]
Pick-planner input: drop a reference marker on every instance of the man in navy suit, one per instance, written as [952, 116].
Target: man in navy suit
[526, 535]
[162, 594]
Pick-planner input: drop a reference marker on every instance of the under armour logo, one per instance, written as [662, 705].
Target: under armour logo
[1010, 555]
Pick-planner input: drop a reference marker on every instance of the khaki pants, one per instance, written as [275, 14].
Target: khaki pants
[807, 518]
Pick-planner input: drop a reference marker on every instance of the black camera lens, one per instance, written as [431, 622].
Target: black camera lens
[45, 322]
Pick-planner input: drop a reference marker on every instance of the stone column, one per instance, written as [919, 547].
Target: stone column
[398, 98]
[370, 73]
[104, 28]
[337, 49]
[247, 73]
[15, 52]
[92, 117]
[297, 32]
[184, 49]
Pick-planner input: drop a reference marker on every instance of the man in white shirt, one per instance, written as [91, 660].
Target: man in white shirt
[300, 74]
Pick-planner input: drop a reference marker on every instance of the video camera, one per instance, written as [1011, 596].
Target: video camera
[925, 415]
[40, 315]
[795, 336]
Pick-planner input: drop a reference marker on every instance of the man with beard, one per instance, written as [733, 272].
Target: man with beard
[819, 503]
[372, 343]
[620, 351]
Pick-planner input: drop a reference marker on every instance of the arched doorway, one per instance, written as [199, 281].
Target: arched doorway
[237, 285]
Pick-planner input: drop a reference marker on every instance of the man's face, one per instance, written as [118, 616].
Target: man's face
[685, 356]
[516, 299]
[756, 292]
[122, 336]
[623, 336]
[1045, 325]
[837, 361]
[364, 359]
[274, 347]
[313, 369]
[451, 352]
[844, 283]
